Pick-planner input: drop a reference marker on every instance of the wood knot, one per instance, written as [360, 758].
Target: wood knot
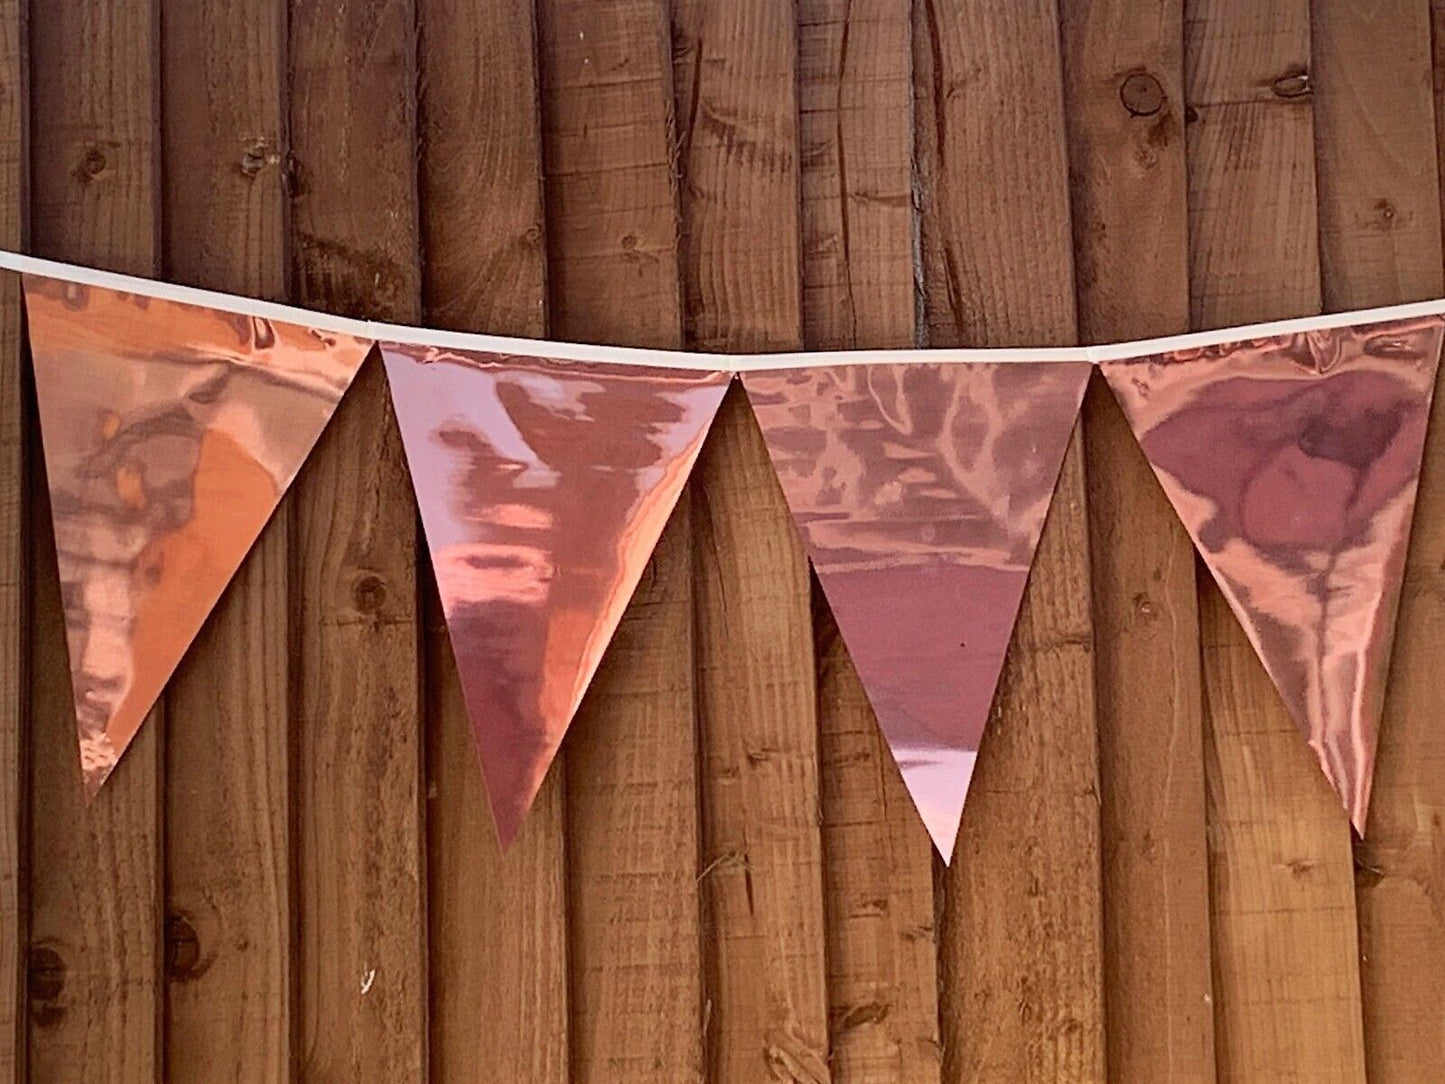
[92, 164]
[257, 155]
[1142, 94]
[183, 948]
[1292, 84]
[1366, 876]
[368, 593]
[45, 980]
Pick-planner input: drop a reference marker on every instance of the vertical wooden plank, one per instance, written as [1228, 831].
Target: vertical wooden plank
[736, 78]
[1286, 974]
[362, 944]
[856, 150]
[632, 900]
[1379, 206]
[498, 923]
[1020, 951]
[1123, 97]
[1379, 211]
[95, 900]
[14, 516]
[228, 882]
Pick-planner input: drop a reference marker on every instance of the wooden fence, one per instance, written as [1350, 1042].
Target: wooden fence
[292, 875]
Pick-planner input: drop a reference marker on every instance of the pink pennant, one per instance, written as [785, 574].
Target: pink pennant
[171, 432]
[543, 487]
[920, 491]
[1294, 462]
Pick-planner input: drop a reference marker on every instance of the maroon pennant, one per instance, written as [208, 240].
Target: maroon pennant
[1294, 461]
[543, 487]
[920, 491]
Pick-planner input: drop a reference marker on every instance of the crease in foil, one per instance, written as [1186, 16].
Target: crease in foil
[170, 432]
[543, 487]
[920, 492]
[1294, 463]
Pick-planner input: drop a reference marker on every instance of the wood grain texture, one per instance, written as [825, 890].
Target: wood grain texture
[1377, 179]
[1286, 974]
[229, 989]
[1123, 97]
[611, 200]
[14, 516]
[631, 794]
[1025, 880]
[95, 889]
[1380, 243]
[753, 904]
[736, 79]
[498, 923]
[362, 945]
[859, 238]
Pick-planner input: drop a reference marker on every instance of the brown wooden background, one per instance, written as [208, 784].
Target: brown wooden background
[292, 876]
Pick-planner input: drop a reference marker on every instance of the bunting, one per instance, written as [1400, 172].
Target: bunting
[171, 432]
[920, 491]
[1293, 461]
[173, 421]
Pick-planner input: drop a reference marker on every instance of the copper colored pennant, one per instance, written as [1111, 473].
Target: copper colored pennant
[171, 431]
[920, 491]
[1293, 462]
[543, 487]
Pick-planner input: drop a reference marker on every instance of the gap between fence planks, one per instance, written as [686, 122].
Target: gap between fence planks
[14, 522]
[1022, 926]
[632, 836]
[497, 923]
[1124, 102]
[1286, 975]
[1380, 243]
[229, 988]
[94, 955]
[736, 81]
[859, 236]
[361, 952]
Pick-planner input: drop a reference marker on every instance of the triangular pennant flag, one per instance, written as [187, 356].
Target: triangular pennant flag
[171, 431]
[1293, 461]
[920, 491]
[543, 487]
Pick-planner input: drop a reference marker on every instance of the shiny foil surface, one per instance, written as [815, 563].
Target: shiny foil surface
[1294, 462]
[543, 487]
[920, 491]
[171, 432]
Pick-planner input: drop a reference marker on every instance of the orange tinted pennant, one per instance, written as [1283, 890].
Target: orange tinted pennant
[171, 431]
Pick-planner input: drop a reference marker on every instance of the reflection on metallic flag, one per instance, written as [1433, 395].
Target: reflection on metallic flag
[171, 432]
[1293, 462]
[543, 487]
[920, 491]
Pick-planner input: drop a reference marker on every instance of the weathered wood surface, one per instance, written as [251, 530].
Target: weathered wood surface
[295, 878]
[228, 763]
[94, 957]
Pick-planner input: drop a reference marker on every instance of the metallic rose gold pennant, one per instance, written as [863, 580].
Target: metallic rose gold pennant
[920, 491]
[543, 487]
[1293, 462]
[171, 432]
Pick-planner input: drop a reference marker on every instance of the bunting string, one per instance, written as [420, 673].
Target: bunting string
[173, 420]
